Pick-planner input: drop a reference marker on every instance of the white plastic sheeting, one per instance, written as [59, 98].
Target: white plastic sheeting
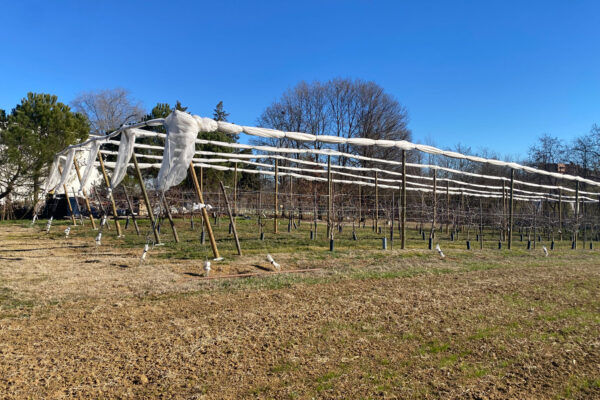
[326, 152]
[54, 177]
[173, 167]
[93, 149]
[66, 169]
[233, 158]
[401, 144]
[125, 152]
[182, 130]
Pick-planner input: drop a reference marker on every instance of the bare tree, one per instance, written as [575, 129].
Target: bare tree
[340, 107]
[108, 109]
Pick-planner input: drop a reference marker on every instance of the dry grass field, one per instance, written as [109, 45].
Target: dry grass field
[83, 322]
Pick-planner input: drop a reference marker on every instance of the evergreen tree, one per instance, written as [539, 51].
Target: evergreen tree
[219, 113]
[35, 131]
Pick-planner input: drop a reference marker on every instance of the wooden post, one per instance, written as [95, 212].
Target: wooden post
[68, 199]
[275, 230]
[560, 214]
[359, 204]
[170, 217]
[403, 219]
[576, 227]
[511, 207]
[447, 207]
[211, 236]
[87, 201]
[235, 196]
[504, 208]
[231, 220]
[146, 199]
[135, 224]
[112, 199]
[376, 203]
[329, 200]
[480, 224]
[201, 179]
[432, 234]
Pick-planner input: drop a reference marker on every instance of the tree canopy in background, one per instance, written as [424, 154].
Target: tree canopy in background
[108, 109]
[33, 133]
[340, 107]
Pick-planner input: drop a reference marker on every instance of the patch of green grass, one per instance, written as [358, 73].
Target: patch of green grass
[433, 347]
[472, 370]
[324, 381]
[10, 301]
[578, 386]
[283, 367]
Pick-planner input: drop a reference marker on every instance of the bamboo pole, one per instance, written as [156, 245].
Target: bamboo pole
[511, 207]
[130, 205]
[211, 236]
[87, 201]
[112, 199]
[275, 230]
[231, 220]
[403, 219]
[146, 199]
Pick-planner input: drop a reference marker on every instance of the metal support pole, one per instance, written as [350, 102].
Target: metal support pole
[112, 199]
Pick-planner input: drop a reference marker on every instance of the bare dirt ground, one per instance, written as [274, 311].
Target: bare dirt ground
[80, 322]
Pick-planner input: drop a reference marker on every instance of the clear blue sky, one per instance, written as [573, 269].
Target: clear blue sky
[492, 74]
